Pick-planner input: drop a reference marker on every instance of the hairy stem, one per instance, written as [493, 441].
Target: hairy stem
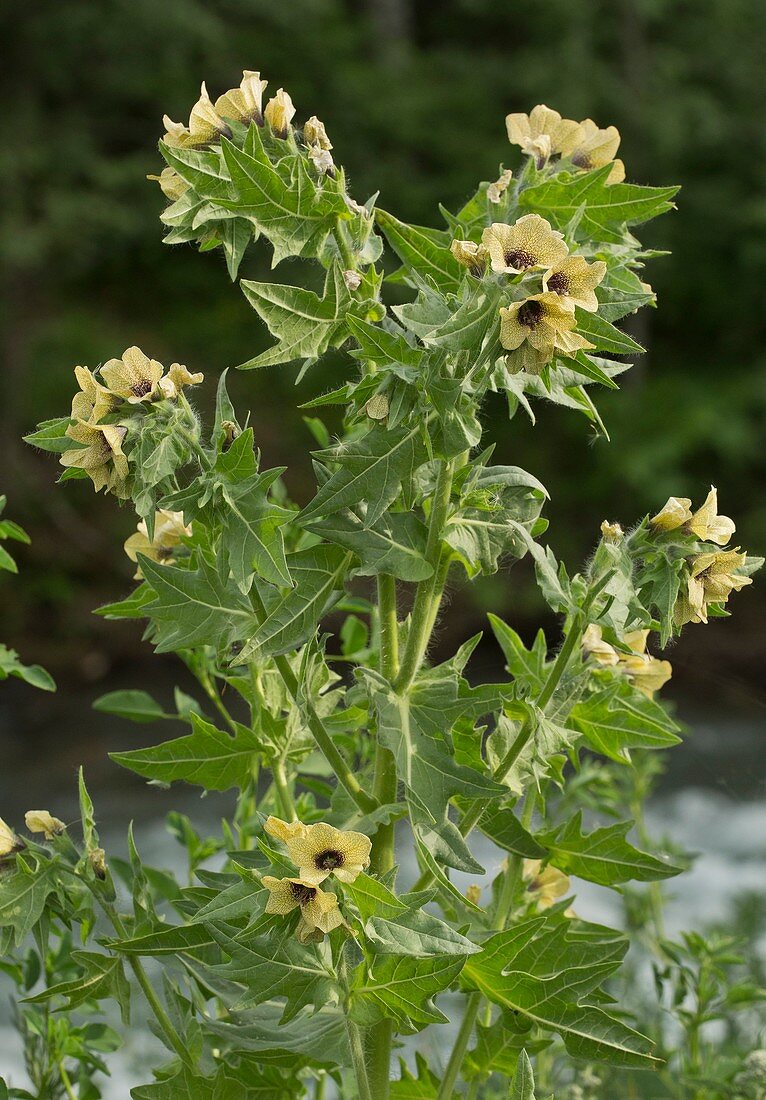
[429, 591]
[175, 1041]
[474, 1000]
[282, 787]
[316, 727]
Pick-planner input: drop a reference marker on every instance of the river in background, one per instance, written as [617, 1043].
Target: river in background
[712, 800]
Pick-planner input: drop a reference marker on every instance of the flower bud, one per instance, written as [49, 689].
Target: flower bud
[496, 190]
[279, 113]
[314, 133]
[97, 860]
[611, 532]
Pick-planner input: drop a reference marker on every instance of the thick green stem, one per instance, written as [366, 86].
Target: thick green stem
[428, 593]
[474, 1000]
[316, 727]
[383, 856]
[282, 787]
[346, 252]
[355, 1042]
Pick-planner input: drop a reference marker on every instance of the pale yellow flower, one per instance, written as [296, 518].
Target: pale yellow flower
[324, 850]
[541, 324]
[319, 910]
[169, 531]
[611, 532]
[279, 113]
[674, 513]
[648, 674]
[40, 821]
[314, 133]
[594, 147]
[576, 280]
[100, 456]
[178, 376]
[471, 255]
[530, 243]
[617, 174]
[134, 377]
[245, 103]
[496, 190]
[594, 646]
[712, 579]
[707, 525]
[205, 125]
[473, 893]
[171, 184]
[284, 830]
[10, 843]
[93, 400]
[542, 133]
[547, 885]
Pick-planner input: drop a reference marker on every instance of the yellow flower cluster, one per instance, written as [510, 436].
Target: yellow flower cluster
[713, 575]
[208, 120]
[318, 851]
[542, 324]
[646, 673]
[544, 134]
[133, 378]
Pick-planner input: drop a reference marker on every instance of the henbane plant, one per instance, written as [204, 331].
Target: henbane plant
[374, 787]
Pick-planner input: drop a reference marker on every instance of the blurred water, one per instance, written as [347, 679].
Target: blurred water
[713, 802]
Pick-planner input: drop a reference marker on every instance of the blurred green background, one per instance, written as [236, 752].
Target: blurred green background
[414, 94]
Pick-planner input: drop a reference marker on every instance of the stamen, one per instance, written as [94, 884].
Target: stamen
[329, 859]
[559, 283]
[519, 258]
[302, 894]
[530, 314]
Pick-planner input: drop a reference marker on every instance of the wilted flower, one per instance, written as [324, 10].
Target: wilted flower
[547, 886]
[93, 400]
[205, 124]
[612, 532]
[377, 408]
[576, 280]
[169, 531]
[594, 147]
[707, 525]
[134, 377]
[751, 1079]
[10, 843]
[319, 910]
[171, 184]
[540, 325]
[323, 850]
[674, 513]
[473, 893]
[321, 159]
[279, 113]
[40, 821]
[177, 377]
[531, 242]
[284, 830]
[496, 190]
[352, 279]
[314, 133]
[712, 579]
[243, 104]
[97, 860]
[471, 255]
[100, 456]
[542, 133]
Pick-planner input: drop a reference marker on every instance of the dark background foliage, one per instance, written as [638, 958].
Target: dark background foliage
[414, 94]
